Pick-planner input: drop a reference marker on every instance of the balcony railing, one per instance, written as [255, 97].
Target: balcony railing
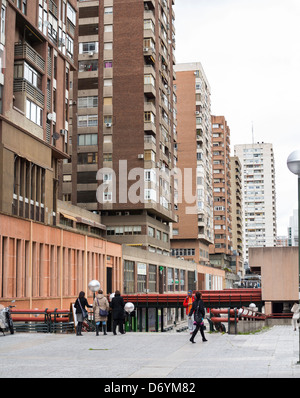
[25, 51]
[22, 85]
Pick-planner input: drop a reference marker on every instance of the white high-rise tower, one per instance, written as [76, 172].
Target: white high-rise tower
[259, 195]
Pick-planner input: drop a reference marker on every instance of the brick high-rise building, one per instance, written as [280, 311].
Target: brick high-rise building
[237, 214]
[37, 56]
[193, 233]
[124, 119]
[221, 250]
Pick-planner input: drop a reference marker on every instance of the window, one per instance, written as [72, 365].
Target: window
[107, 157]
[151, 232]
[71, 14]
[149, 155]
[107, 197]
[107, 82]
[108, 10]
[107, 119]
[34, 112]
[152, 278]
[149, 117]
[87, 120]
[108, 64]
[3, 9]
[87, 139]
[129, 277]
[70, 46]
[108, 28]
[150, 194]
[88, 66]
[108, 46]
[148, 24]
[87, 158]
[85, 48]
[149, 79]
[87, 102]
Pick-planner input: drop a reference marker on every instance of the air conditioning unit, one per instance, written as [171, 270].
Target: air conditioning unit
[140, 156]
[91, 53]
[118, 213]
[146, 49]
[108, 125]
[127, 213]
[197, 113]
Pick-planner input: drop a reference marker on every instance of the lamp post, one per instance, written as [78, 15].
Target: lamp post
[293, 163]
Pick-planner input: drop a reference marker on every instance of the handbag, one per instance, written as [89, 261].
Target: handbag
[101, 311]
[84, 312]
[198, 317]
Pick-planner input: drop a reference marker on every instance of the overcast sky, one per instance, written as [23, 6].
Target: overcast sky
[250, 52]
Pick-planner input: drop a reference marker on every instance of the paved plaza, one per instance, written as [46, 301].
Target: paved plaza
[272, 353]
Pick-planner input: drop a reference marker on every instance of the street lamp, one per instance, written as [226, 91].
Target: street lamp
[293, 163]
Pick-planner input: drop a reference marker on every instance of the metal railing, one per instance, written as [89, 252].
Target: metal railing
[24, 50]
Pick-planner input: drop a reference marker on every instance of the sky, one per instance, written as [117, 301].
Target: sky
[250, 53]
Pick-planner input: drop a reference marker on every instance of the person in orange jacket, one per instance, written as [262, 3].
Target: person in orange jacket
[188, 302]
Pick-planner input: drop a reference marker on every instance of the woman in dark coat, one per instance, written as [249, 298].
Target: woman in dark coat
[80, 305]
[117, 305]
[199, 310]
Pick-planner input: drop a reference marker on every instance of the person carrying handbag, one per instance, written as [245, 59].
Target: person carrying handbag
[101, 308]
[81, 313]
[199, 313]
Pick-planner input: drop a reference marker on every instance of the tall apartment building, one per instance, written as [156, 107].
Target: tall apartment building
[259, 195]
[293, 229]
[37, 56]
[237, 215]
[221, 250]
[124, 120]
[193, 233]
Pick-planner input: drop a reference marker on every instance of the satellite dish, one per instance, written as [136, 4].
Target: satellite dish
[56, 136]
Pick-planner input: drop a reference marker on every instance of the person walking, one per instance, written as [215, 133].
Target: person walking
[80, 304]
[199, 313]
[117, 305]
[101, 308]
[295, 318]
[188, 302]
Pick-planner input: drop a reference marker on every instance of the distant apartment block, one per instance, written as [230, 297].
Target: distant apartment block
[293, 229]
[221, 250]
[193, 233]
[259, 195]
[237, 215]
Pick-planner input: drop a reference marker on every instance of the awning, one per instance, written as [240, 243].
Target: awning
[68, 216]
[90, 222]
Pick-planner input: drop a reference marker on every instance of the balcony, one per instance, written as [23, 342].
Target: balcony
[26, 52]
[23, 86]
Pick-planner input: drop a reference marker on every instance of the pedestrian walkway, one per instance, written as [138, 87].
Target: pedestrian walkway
[272, 353]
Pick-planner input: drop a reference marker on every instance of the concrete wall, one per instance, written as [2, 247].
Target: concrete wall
[279, 272]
